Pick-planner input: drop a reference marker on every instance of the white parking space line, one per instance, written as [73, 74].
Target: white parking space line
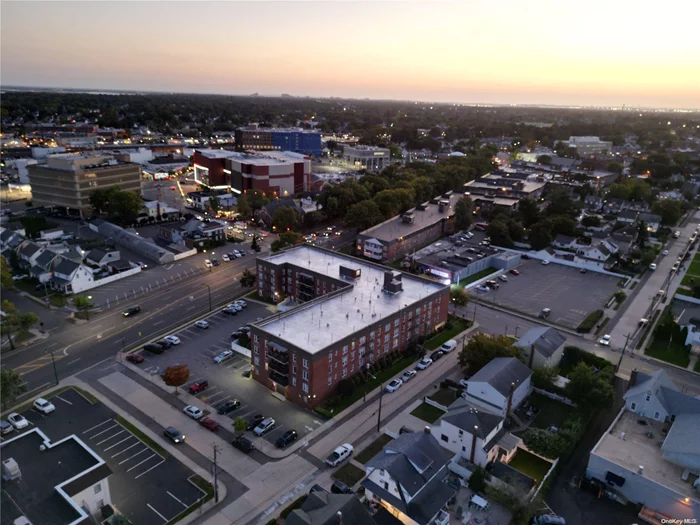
[59, 397]
[154, 466]
[111, 437]
[247, 413]
[127, 448]
[97, 426]
[209, 399]
[193, 381]
[141, 463]
[106, 430]
[159, 514]
[222, 400]
[133, 456]
[176, 498]
[118, 443]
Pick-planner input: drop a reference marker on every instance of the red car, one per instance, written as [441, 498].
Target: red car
[199, 386]
[134, 358]
[209, 423]
[515, 272]
[172, 188]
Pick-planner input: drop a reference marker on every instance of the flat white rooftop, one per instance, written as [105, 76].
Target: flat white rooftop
[313, 327]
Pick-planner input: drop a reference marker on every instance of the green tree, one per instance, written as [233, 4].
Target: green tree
[11, 386]
[477, 481]
[393, 202]
[332, 145]
[642, 234]
[124, 206]
[240, 425]
[529, 211]
[540, 235]
[363, 215]
[15, 322]
[83, 304]
[482, 348]
[286, 219]
[5, 273]
[463, 212]
[247, 278]
[99, 200]
[669, 210]
[590, 389]
[243, 207]
[591, 221]
[498, 231]
[544, 159]
[614, 167]
[214, 203]
[176, 375]
[395, 151]
[459, 296]
[545, 377]
[286, 239]
[561, 202]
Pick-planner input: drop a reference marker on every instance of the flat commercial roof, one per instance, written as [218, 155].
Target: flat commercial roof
[320, 323]
[389, 231]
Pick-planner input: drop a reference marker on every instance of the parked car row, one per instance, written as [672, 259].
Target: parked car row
[16, 421]
[157, 347]
[424, 363]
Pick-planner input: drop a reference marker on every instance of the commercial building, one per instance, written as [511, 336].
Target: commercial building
[67, 180]
[351, 314]
[370, 158]
[282, 173]
[503, 189]
[410, 231]
[307, 142]
[650, 456]
[587, 146]
[46, 481]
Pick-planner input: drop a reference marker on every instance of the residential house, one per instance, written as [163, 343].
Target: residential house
[651, 221]
[267, 212]
[500, 386]
[70, 276]
[615, 205]
[628, 216]
[674, 195]
[154, 209]
[214, 231]
[322, 508]
[51, 234]
[28, 252]
[541, 347]
[564, 242]
[593, 202]
[43, 266]
[472, 433]
[687, 316]
[599, 252]
[650, 456]
[408, 478]
[101, 257]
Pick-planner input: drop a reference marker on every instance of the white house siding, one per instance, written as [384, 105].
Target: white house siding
[462, 444]
[645, 408]
[642, 490]
[92, 501]
[486, 397]
[541, 361]
[521, 392]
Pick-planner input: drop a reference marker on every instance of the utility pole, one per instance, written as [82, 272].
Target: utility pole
[209, 288]
[55, 372]
[622, 354]
[215, 473]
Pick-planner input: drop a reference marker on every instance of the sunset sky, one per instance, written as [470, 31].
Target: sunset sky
[609, 52]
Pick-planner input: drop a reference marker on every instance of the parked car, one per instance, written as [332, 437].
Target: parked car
[209, 424]
[193, 411]
[339, 455]
[164, 343]
[202, 324]
[241, 303]
[153, 348]
[493, 284]
[285, 439]
[17, 421]
[482, 288]
[208, 263]
[229, 406]
[448, 346]
[243, 444]
[44, 406]
[643, 321]
[652, 266]
[525, 256]
[174, 435]
[583, 270]
[515, 272]
[225, 257]
[424, 363]
[503, 278]
[198, 386]
[255, 421]
[339, 487]
[545, 262]
[605, 340]
[665, 252]
[264, 427]
[230, 310]
[132, 310]
[437, 354]
[408, 375]
[394, 385]
[5, 427]
[172, 339]
[135, 358]
[215, 262]
[676, 234]
[223, 356]
[545, 313]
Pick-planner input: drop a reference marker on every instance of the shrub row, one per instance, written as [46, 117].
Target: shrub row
[589, 322]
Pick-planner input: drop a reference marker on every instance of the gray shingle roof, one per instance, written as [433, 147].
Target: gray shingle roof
[96, 254]
[660, 385]
[501, 372]
[44, 260]
[465, 417]
[66, 267]
[649, 218]
[683, 436]
[546, 340]
[6, 235]
[321, 508]
[29, 249]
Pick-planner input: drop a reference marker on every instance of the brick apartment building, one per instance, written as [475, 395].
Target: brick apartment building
[410, 231]
[353, 312]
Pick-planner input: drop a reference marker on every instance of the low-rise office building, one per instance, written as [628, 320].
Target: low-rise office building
[371, 158]
[305, 141]
[409, 231]
[67, 180]
[351, 314]
[587, 146]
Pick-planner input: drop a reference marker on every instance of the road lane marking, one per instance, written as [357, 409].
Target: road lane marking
[97, 426]
[177, 499]
[144, 461]
[154, 466]
[73, 361]
[159, 514]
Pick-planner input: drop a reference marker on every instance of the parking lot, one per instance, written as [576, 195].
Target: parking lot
[146, 486]
[198, 348]
[569, 294]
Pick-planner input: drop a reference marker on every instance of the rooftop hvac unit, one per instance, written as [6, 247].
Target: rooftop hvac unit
[408, 217]
[10, 470]
[392, 282]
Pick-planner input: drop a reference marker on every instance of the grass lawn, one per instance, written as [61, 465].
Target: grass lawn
[427, 413]
[459, 325]
[694, 268]
[696, 257]
[530, 464]
[444, 396]
[349, 474]
[675, 353]
[373, 448]
[479, 275]
[689, 281]
[551, 412]
[255, 297]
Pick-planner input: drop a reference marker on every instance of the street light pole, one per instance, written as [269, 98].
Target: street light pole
[209, 288]
[622, 354]
[55, 372]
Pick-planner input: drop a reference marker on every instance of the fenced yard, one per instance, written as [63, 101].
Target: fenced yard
[529, 464]
[551, 412]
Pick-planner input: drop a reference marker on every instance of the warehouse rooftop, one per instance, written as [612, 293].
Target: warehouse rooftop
[360, 303]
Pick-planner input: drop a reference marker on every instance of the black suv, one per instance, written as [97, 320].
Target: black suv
[339, 487]
[229, 406]
[174, 435]
[154, 348]
[132, 310]
[436, 355]
[165, 344]
[255, 421]
[285, 439]
[243, 444]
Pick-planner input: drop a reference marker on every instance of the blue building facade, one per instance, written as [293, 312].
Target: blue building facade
[302, 141]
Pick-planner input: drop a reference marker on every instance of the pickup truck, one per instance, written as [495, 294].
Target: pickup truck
[339, 454]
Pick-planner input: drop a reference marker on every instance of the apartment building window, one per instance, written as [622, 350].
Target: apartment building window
[256, 351]
[396, 333]
[437, 309]
[362, 351]
[363, 339]
[330, 381]
[352, 369]
[257, 361]
[345, 372]
[305, 375]
[410, 315]
[362, 362]
[396, 342]
[345, 350]
[387, 327]
[294, 369]
[386, 337]
[330, 356]
[386, 349]
[305, 363]
[255, 338]
[98, 488]
[371, 334]
[418, 311]
[330, 369]
[345, 361]
[305, 387]
[396, 322]
[294, 381]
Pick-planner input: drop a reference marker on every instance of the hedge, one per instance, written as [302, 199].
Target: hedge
[573, 356]
[589, 322]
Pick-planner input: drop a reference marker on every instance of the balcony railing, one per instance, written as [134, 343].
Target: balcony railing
[278, 378]
[278, 368]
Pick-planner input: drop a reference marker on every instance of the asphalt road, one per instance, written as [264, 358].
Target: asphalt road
[77, 347]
